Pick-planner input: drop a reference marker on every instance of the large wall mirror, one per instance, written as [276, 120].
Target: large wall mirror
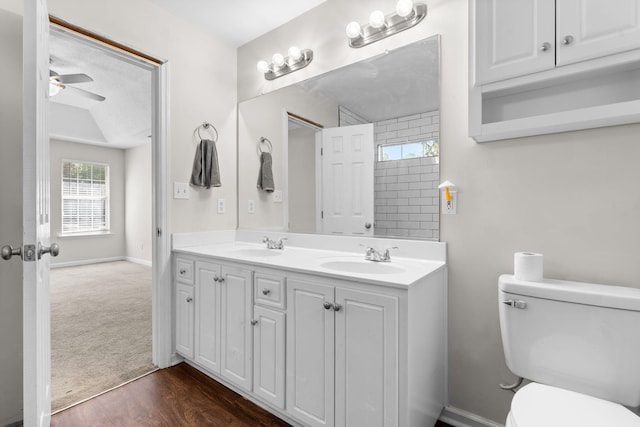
[354, 151]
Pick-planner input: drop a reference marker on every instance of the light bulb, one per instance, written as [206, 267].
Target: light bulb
[404, 8]
[353, 30]
[263, 66]
[294, 54]
[277, 59]
[376, 19]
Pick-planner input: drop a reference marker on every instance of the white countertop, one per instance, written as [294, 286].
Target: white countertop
[400, 272]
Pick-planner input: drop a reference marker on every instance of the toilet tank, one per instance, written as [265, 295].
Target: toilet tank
[578, 336]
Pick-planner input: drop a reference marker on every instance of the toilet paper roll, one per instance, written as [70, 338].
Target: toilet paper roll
[528, 266]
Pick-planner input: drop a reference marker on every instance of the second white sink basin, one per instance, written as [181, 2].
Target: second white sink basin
[361, 266]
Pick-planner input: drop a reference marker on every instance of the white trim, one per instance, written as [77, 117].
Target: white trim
[460, 418]
[87, 262]
[139, 261]
[162, 306]
[85, 235]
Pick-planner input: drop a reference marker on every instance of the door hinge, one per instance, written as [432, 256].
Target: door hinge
[321, 214]
[29, 253]
[321, 151]
[159, 231]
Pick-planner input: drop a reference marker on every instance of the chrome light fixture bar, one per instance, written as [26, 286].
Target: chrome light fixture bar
[281, 66]
[380, 26]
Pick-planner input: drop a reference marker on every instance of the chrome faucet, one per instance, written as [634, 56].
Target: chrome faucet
[272, 244]
[373, 255]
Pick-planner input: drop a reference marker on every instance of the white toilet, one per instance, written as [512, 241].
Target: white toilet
[580, 344]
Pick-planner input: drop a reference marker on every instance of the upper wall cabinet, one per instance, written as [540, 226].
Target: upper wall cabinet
[545, 66]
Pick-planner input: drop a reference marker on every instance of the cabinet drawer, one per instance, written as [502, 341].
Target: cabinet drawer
[269, 290]
[184, 270]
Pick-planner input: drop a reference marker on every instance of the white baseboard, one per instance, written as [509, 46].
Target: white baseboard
[460, 418]
[86, 262]
[139, 261]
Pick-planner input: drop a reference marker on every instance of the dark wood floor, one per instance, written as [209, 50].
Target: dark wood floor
[177, 396]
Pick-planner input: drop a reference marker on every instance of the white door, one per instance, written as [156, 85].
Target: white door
[35, 208]
[347, 180]
[310, 346]
[592, 28]
[366, 359]
[207, 316]
[235, 334]
[513, 38]
[268, 355]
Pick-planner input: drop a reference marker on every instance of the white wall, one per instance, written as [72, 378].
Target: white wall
[202, 81]
[266, 116]
[138, 207]
[88, 248]
[572, 196]
[302, 180]
[11, 214]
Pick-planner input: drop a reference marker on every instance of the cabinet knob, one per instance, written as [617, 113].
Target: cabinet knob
[215, 278]
[567, 40]
[221, 279]
[254, 322]
[545, 47]
[189, 299]
[337, 307]
[183, 272]
[328, 306]
[266, 291]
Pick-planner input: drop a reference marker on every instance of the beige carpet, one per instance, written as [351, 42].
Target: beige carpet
[100, 328]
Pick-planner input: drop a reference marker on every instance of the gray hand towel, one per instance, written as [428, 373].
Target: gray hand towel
[206, 172]
[265, 177]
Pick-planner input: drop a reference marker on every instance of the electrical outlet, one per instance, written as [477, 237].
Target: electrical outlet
[251, 206]
[220, 206]
[180, 190]
[277, 196]
[449, 207]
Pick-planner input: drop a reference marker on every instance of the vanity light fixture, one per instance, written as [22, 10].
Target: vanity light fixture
[380, 26]
[280, 66]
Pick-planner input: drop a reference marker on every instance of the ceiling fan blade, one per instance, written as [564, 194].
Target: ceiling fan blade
[74, 78]
[85, 93]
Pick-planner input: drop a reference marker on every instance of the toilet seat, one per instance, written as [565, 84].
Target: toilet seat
[538, 405]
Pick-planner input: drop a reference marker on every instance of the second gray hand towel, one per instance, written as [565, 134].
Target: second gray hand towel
[265, 176]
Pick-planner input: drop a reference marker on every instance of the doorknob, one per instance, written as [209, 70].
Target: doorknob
[8, 252]
[54, 250]
[367, 225]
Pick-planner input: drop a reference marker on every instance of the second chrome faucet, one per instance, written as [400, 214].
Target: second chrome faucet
[273, 244]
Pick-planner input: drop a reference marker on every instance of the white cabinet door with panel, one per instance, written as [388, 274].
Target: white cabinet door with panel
[184, 319]
[268, 355]
[366, 359]
[236, 300]
[513, 38]
[590, 29]
[207, 315]
[310, 352]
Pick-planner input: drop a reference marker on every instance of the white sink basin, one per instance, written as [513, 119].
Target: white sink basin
[361, 266]
[257, 252]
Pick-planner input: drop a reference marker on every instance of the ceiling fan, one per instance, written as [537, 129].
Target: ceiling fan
[58, 82]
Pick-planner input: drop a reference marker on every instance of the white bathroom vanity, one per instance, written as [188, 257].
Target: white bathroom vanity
[314, 332]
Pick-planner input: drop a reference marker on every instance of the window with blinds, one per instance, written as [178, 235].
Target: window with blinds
[85, 197]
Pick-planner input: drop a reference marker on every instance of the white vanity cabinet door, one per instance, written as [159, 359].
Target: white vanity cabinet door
[310, 352]
[590, 29]
[268, 355]
[366, 371]
[207, 314]
[235, 333]
[184, 319]
[513, 38]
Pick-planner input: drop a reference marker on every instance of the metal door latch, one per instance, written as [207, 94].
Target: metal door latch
[515, 303]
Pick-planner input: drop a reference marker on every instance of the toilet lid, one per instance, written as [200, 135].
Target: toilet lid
[536, 405]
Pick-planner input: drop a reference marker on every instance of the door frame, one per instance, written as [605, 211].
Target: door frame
[162, 342]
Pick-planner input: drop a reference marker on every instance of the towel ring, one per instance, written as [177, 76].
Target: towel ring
[264, 142]
[206, 126]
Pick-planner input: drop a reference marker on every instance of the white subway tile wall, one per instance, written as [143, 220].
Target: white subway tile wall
[406, 191]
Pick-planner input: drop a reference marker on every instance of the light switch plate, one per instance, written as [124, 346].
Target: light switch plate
[220, 206]
[277, 196]
[181, 190]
